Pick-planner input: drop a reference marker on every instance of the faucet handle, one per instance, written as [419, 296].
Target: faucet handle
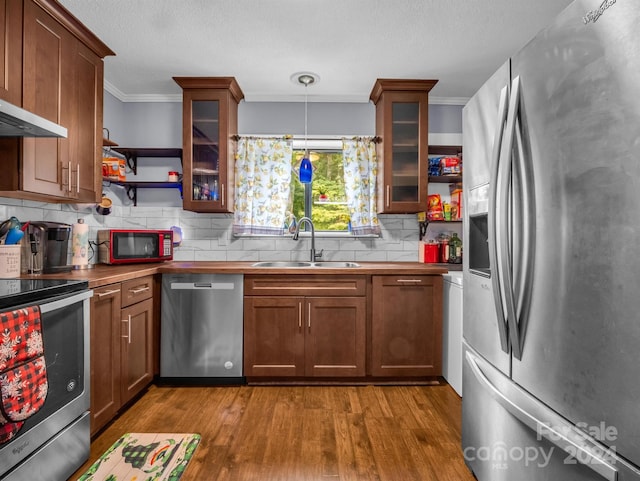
[318, 255]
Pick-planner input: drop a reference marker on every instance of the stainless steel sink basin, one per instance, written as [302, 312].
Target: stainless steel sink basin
[291, 264]
[281, 264]
[336, 264]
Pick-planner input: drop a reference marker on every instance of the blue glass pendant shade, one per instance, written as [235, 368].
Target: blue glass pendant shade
[306, 171]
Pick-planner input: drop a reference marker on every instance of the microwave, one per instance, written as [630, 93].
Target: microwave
[130, 246]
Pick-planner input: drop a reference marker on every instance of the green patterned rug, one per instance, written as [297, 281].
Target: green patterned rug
[144, 457]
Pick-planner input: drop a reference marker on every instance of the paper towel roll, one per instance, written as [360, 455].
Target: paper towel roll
[80, 244]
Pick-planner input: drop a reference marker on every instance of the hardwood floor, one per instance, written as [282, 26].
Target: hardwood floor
[305, 433]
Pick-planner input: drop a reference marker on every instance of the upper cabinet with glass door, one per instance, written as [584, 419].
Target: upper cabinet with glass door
[402, 124]
[209, 126]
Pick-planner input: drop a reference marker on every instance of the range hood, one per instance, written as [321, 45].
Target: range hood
[18, 122]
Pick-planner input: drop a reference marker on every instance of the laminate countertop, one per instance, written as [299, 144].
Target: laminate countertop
[102, 274]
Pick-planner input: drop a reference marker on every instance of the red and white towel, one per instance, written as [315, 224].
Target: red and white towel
[23, 371]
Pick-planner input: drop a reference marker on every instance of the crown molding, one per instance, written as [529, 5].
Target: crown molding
[122, 97]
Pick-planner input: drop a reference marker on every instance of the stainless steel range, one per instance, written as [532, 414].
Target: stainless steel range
[53, 443]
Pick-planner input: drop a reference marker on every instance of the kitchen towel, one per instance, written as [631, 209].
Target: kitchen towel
[23, 372]
[144, 456]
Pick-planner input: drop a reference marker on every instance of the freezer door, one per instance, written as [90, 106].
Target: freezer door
[483, 123]
[509, 435]
[580, 120]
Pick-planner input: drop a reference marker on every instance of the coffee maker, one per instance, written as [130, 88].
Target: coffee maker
[45, 248]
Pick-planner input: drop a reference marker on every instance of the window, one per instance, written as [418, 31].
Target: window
[323, 200]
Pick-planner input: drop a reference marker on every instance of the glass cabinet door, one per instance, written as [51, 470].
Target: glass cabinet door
[209, 134]
[205, 169]
[402, 126]
[405, 151]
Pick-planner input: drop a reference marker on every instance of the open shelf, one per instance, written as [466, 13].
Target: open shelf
[132, 187]
[132, 154]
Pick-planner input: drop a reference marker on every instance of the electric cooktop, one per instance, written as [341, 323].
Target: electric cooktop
[18, 292]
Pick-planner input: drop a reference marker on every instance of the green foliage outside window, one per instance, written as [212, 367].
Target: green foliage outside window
[329, 210]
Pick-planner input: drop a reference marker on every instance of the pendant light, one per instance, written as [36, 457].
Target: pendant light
[306, 169]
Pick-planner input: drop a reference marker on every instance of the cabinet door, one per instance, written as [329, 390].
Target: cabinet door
[137, 348]
[404, 152]
[274, 336]
[11, 51]
[46, 164]
[335, 338]
[406, 336]
[209, 127]
[105, 355]
[205, 172]
[86, 129]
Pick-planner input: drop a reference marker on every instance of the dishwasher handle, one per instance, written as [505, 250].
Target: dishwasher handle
[213, 286]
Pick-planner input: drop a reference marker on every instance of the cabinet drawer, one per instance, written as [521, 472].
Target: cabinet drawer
[137, 290]
[311, 285]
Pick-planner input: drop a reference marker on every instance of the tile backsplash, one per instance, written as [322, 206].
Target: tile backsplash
[207, 237]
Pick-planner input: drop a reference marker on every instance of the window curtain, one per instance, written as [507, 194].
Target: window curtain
[262, 177]
[360, 170]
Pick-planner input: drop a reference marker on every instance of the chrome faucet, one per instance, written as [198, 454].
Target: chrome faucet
[314, 256]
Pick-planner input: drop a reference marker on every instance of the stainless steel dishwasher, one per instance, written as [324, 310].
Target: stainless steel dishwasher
[201, 328]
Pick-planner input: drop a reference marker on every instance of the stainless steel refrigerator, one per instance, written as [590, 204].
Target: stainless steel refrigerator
[551, 324]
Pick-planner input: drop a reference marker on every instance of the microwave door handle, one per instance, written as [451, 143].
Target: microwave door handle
[494, 221]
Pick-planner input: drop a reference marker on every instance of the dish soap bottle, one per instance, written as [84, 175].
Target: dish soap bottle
[455, 249]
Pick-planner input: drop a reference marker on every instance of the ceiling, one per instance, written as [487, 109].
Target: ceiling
[347, 43]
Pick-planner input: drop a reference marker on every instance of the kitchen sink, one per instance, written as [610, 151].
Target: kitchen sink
[290, 264]
[335, 264]
[281, 264]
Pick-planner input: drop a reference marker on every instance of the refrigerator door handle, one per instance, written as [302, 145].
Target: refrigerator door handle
[528, 216]
[505, 236]
[548, 425]
[494, 222]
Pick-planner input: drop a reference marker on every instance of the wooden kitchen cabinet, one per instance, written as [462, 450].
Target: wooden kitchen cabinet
[121, 346]
[308, 326]
[209, 130]
[137, 336]
[105, 355]
[62, 81]
[11, 51]
[406, 326]
[402, 125]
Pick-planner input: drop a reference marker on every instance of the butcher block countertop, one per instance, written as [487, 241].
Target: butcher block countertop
[102, 274]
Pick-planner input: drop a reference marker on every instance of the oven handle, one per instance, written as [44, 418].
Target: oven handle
[67, 301]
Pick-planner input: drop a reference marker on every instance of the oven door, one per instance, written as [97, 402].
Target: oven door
[65, 334]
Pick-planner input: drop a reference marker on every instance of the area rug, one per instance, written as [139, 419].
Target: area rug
[144, 457]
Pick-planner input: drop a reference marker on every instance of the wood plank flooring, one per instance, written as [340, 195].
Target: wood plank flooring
[305, 433]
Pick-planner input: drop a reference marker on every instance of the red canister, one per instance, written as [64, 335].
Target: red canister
[431, 253]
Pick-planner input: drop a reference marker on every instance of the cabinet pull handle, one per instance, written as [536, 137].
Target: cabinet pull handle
[69, 176]
[138, 290]
[299, 315]
[309, 314]
[108, 293]
[388, 194]
[222, 194]
[410, 281]
[78, 180]
[128, 321]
